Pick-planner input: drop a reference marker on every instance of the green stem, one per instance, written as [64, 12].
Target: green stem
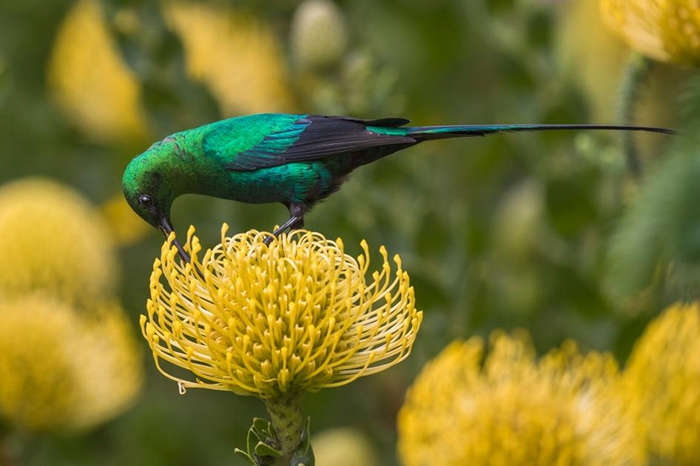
[633, 80]
[287, 422]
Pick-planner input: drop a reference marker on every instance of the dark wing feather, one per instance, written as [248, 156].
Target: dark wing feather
[317, 137]
[385, 122]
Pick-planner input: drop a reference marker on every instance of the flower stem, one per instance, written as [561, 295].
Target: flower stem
[633, 80]
[287, 422]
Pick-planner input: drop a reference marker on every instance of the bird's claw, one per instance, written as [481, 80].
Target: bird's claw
[295, 221]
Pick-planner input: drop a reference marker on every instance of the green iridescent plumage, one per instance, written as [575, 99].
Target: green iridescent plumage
[296, 160]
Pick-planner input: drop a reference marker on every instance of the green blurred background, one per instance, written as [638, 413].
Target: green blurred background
[501, 232]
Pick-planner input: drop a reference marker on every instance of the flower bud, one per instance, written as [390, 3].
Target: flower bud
[319, 35]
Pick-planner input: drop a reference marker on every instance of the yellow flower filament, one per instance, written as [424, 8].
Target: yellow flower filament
[297, 315]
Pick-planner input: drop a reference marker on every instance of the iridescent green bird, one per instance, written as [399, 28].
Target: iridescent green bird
[297, 160]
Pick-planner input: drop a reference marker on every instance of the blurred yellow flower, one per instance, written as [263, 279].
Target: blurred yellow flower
[666, 30]
[64, 371]
[663, 375]
[55, 242]
[508, 408]
[275, 321]
[234, 54]
[90, 80]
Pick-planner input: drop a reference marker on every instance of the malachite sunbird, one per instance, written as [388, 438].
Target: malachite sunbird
[297, 160]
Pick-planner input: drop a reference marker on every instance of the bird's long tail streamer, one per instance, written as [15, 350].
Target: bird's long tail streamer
[439, 132]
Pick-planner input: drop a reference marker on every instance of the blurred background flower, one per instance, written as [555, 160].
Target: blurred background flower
[318, 34]
[41, 384]
[63, 371]
[663, 379]
[505, 407]
[666, 30]
[235, 54]
[55, 241]
[91, 82]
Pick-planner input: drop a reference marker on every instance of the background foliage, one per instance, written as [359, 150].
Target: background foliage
[506, 231]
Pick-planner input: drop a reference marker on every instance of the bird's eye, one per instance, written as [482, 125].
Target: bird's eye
[145, 200]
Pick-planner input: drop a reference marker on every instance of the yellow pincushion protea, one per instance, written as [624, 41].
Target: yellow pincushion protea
[57, 243]
[666, 30]
[508, 408]
[663, 376]
[61, 370]
[272, 321]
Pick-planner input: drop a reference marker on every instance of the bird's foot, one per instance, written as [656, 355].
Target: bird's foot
[292, 223]
[295, 220]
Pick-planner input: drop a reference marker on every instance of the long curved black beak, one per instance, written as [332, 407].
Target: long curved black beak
[166, 228]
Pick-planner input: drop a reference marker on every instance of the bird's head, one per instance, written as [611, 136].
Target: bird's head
[149, 190]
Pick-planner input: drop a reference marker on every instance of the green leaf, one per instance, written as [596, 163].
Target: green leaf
[240, 453]
[263, 449]
[258, 443]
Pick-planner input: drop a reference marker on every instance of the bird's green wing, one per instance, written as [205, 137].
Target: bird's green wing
[311, 137]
